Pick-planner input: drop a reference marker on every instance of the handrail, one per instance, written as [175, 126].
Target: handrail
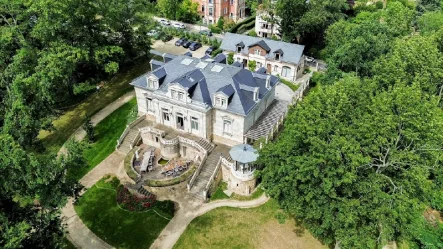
[128, 128]
[217, 167]
[197, 172]
[192, 143]
[247, 176]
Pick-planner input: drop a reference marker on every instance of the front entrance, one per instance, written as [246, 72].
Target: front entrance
[180, 122]
[245, 63]
[268, 68]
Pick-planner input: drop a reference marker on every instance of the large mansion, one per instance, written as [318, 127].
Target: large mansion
[276, 57]
[211, 100]
[212, 10]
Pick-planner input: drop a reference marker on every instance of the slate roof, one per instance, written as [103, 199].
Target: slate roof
[291, 53]
[261, 70]
[237, 64]
[220, 58]
[203, 78]
[188, 54]
[261, 44]
[156, 64]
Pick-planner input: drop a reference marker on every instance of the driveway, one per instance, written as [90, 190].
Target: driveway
[169, 47]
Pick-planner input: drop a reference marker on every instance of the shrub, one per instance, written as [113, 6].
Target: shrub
[220, 23]
[216, 52]
[87, 126]
[230, 58]
[214, 29]
[84, 88]
[236, 26]
[252, 65]
[275, 38]
[252, 33]
[379, 5]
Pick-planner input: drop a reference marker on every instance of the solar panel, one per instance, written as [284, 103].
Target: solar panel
[217, 68]
[186, 61]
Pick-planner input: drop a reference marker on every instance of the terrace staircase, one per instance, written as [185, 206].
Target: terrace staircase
[132, 134]
[206, 145]
[205, 174]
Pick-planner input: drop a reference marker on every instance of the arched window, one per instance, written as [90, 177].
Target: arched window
[286, 72]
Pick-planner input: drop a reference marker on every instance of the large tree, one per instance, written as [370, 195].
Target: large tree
[356, 164]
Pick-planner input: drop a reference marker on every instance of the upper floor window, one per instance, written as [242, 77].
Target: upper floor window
[149, 104]
[194, 123]
[277, 56]
[257, 51]
[232, 2]
[180, 96]
[220, 102]
[177, 95]
[152, 83]
[210, 11]
[227, 126]
[203, 8]
[174, 94]
[225, 10]
[210, 1]
[239, 49]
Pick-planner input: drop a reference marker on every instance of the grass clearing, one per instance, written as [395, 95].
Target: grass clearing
[72, 118]
[246, 228]
[120, 228]
[106, 134]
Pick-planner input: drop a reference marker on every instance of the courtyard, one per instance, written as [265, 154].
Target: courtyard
[169, 47]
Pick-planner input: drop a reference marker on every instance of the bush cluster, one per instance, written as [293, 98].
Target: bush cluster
[132, 202]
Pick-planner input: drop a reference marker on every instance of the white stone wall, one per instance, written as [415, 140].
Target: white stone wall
[261, 31]
[237, 127]
[236, 185]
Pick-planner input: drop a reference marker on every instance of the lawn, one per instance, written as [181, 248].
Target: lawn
[72, 118]
[220, 195]
[120, 228]
[291, 85]
[106, 134]
[246, 228]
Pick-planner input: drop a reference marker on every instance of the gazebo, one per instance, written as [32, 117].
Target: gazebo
[239, 174]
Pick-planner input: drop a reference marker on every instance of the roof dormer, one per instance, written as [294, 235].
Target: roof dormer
[278, 54]
[152, 82]
[240, 46]
[221, 100]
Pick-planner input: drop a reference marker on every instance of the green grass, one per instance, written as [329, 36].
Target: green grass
[68, 244]
[120, 228]
[291, 85]
[259, 227]
[72, 118]
[163, 161]
[106, 134]
[220, 195]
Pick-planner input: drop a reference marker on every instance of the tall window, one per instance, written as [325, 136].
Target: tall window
[238, 49]
[174, 94]
[194, 123]
[257, 51]
[225, 10]
[232, 2]
[210, 11]
[277, 56]
[227, 127]
[217, 101]
[223, 102]
[180, 96]
[149, 104]
[203, 8]
[286, 72]
[165, 115]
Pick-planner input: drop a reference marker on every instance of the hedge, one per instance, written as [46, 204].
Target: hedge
[248, 20]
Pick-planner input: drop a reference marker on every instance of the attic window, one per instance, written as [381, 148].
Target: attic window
[152, 83]
[221, 102]
[277, 56]
[239, 49]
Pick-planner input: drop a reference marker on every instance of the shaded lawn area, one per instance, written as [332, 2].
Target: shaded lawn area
[106, 134]
[68, 244]
[220, 195]
[228, 227]
[72, 118]
[120, 228]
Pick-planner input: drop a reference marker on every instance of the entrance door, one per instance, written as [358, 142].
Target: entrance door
[268, 68]
[180, 122]
[245, 63]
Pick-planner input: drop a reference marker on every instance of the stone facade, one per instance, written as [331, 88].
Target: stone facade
[211, 10]
[237, 182]
[265, 29]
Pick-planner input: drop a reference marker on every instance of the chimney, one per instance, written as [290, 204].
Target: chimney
[256, 94]
[268, 81]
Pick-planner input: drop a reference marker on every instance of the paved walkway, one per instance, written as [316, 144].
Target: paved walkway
[80, 133]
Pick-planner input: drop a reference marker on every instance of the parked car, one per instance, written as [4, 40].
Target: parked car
[209, 50]
[152, 33]
[206, 32]
[194, 46]
[187, 44]
[178, 25]
[180, 41]
[164, 22]
[309, 59]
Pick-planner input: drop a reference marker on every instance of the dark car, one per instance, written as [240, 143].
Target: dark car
[209, 50]
[187, 44]
[206, 32]
[180, 41]
[194, 46]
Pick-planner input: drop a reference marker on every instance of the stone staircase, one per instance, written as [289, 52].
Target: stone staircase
[205, 174]
[125, 146]
[206, 145]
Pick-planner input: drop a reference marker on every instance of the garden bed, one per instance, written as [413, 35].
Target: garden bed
[168, 182]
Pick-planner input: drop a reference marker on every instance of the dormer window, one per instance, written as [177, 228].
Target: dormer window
[257, 52]
[180, 96]
[152, 83]
[177, 95]
[277, 56]
[220, 102]
[239, 49]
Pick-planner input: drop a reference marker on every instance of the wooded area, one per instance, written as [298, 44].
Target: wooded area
[360, 159]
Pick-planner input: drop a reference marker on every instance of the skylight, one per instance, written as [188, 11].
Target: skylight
[186, 61]
[201, 65]
[217, 68]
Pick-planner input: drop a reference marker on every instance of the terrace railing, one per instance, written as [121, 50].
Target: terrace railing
[128, 128]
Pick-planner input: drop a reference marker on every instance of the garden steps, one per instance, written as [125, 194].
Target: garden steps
[205, 174]
[206, 144]
[125, 146]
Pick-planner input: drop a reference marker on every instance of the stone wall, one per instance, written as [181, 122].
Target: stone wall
[236, 185]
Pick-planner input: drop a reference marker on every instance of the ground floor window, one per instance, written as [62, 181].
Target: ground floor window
[149, 104]
[227, 127]
[275, 68]
[194, 123]
[286, 72]
[165, 115]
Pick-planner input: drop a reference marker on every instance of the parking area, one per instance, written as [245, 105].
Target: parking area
[169, 47]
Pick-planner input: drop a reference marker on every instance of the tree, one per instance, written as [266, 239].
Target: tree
[354, 45]
[428, 5]
[269, 13]
[252, 65]
[89, 128]
[32, 192]
[361, 177]
[221, 23]
[230, 58]
[168, 8]
[430, 22]
[305, 21]
[188, 12]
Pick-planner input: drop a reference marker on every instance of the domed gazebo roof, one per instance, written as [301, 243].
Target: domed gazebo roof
[243, 153]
